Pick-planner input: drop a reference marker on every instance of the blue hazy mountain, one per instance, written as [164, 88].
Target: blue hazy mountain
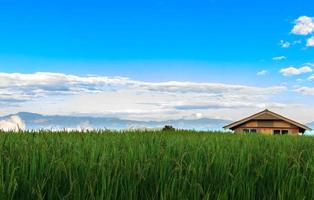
[37, 121]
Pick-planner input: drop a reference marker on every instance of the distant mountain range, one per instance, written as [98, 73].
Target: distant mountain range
[36, 121]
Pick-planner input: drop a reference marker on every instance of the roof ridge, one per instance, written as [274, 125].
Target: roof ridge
[236, 123]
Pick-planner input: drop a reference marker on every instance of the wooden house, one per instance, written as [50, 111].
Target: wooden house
[268, 122]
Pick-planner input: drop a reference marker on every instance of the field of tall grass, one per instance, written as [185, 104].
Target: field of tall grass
[155, 165]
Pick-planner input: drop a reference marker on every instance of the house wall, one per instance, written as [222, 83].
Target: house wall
[267, 127]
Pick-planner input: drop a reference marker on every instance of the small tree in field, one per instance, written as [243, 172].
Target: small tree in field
[168, 128]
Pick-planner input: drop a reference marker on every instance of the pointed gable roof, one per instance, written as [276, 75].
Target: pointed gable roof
[266, 115]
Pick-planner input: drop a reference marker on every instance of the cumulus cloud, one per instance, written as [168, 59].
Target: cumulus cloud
[309, 64]
[290, 71]
[261, 73]
[278, 58]
[25, 87]
[198, 115]
[193, 87]
[14, 123]
[85, 125]
[56, 93]
[304, 25]
[215, 105]
[287, 44]
[305, 90]
[284, 44]
[310, 42]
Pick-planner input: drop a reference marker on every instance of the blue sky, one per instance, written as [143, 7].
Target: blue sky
[246, 43]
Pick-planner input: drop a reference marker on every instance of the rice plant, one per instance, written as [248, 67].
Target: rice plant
[155, 165]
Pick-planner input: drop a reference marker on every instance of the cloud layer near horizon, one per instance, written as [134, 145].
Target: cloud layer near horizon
[57, 93]
[22, 87]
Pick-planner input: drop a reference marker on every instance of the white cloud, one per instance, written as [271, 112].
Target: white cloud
[305, 90]
[290, 71]
[261, 73]
[299, 80]
[85, 125]
[304, 25]
[311, 78]
[55, 93]
[14, 123]
[309, 64]
[310, 42]
[197, 105]
[25, 87]
[297, 42]
[284, 44]
[277, 58]
[198, 115]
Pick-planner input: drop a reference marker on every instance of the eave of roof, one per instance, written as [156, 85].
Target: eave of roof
[237, 123]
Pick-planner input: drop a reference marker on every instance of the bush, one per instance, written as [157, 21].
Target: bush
[168, 128]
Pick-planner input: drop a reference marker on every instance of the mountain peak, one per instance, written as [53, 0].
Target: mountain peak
[28, 115]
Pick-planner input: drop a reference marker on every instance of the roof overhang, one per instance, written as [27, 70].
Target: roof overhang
[237, 123]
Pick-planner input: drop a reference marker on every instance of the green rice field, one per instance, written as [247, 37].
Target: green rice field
[155, 165]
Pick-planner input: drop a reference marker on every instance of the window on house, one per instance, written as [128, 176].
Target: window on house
[253, 130]
[284, 132]
[249, 130]
[281, 132]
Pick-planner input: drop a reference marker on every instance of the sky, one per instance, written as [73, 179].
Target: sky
[155, 60]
